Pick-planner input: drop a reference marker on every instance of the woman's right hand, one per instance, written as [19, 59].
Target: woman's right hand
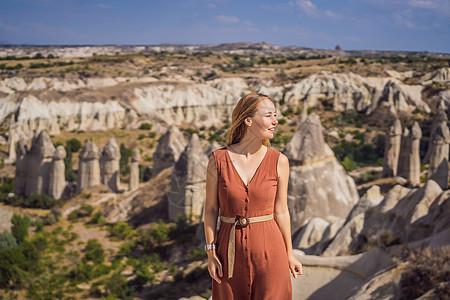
[214, 266]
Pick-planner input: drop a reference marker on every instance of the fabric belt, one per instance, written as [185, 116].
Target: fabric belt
[242, 222]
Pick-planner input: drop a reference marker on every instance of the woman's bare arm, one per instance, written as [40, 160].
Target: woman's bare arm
[210, 218]
[282, 216]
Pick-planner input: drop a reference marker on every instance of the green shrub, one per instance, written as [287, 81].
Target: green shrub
[97, 218]
[85, 211]
[7, 185]
[7, 241]
[20, 227]
[73, 144]
[159, 233]
[195, 254]
[34, 201]
[126, 248]
[94, 252]
[141, 136]
[117, 285]
[151, 134]
[348, 163]
[146, 126]
[143, 276]
[125, 154]
[121, 230]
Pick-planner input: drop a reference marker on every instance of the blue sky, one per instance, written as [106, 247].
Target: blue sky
[412, 25]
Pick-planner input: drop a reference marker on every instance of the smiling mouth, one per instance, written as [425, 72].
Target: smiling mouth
[271, 129]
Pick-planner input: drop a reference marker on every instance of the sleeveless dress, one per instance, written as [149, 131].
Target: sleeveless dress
[261, 267]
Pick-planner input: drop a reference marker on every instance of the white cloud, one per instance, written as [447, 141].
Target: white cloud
[402, 21]
[333, 15]
[424, 4]
[227, 19]
[102, 5]
[308, 7]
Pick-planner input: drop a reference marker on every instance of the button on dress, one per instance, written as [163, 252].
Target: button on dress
[261, 267]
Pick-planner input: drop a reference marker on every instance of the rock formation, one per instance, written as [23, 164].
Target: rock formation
[169, 149]
[318, 184]
[187, 186]
[134, 170]
[39, 160]
[403, 161]
[109, 165]
[88, 167]
[392, 149]
[438, 118]
[57, 175]
[404, 215]
[12, 139]
[20, 182]
[438, 169]
[413, 170]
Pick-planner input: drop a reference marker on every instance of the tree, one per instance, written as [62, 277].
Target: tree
[125, 154]
[20, 227]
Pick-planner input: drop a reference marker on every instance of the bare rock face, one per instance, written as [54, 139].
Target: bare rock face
[131, 118]
[169, 149]
[318, 184]
[438, 169]
[405, 215]
[57, 175]
[349, 91]
[88, 167]
[310, 238]
[39, 160]
[371, 198]
[109, 165]
[440, 75]
[20, 182]
[134, 170]
[392, 149]
[347, 237]
[213, 146]
[187, 192]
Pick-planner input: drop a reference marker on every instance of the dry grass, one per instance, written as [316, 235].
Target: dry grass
[427, 269]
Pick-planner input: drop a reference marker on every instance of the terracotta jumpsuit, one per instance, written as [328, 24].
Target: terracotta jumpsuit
[261, 267]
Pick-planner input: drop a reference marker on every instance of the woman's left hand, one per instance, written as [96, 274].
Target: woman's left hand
[295, 266]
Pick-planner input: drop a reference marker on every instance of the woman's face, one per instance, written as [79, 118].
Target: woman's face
[263, 123]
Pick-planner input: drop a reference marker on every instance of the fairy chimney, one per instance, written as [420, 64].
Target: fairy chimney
[20, 181]
[134, 170]
[39, 160]
[169, 149]
[438, 169]
[57, 175]
[109, 165]
[413, 171]
[187, 186]
[88, 167]
[392, 149]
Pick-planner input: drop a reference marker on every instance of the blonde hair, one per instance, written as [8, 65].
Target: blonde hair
[246, 107]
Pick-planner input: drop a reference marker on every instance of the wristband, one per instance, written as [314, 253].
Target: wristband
[210, 247]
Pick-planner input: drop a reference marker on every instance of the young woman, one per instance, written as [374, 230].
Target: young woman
[247, 180]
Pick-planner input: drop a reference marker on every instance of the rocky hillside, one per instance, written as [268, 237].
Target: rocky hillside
[366, 134]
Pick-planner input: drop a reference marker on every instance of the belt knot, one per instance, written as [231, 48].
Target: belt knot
[241, 222]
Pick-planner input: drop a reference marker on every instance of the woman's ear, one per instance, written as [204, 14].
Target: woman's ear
[248, 121]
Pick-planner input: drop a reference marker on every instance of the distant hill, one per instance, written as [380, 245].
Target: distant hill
[242, 48]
